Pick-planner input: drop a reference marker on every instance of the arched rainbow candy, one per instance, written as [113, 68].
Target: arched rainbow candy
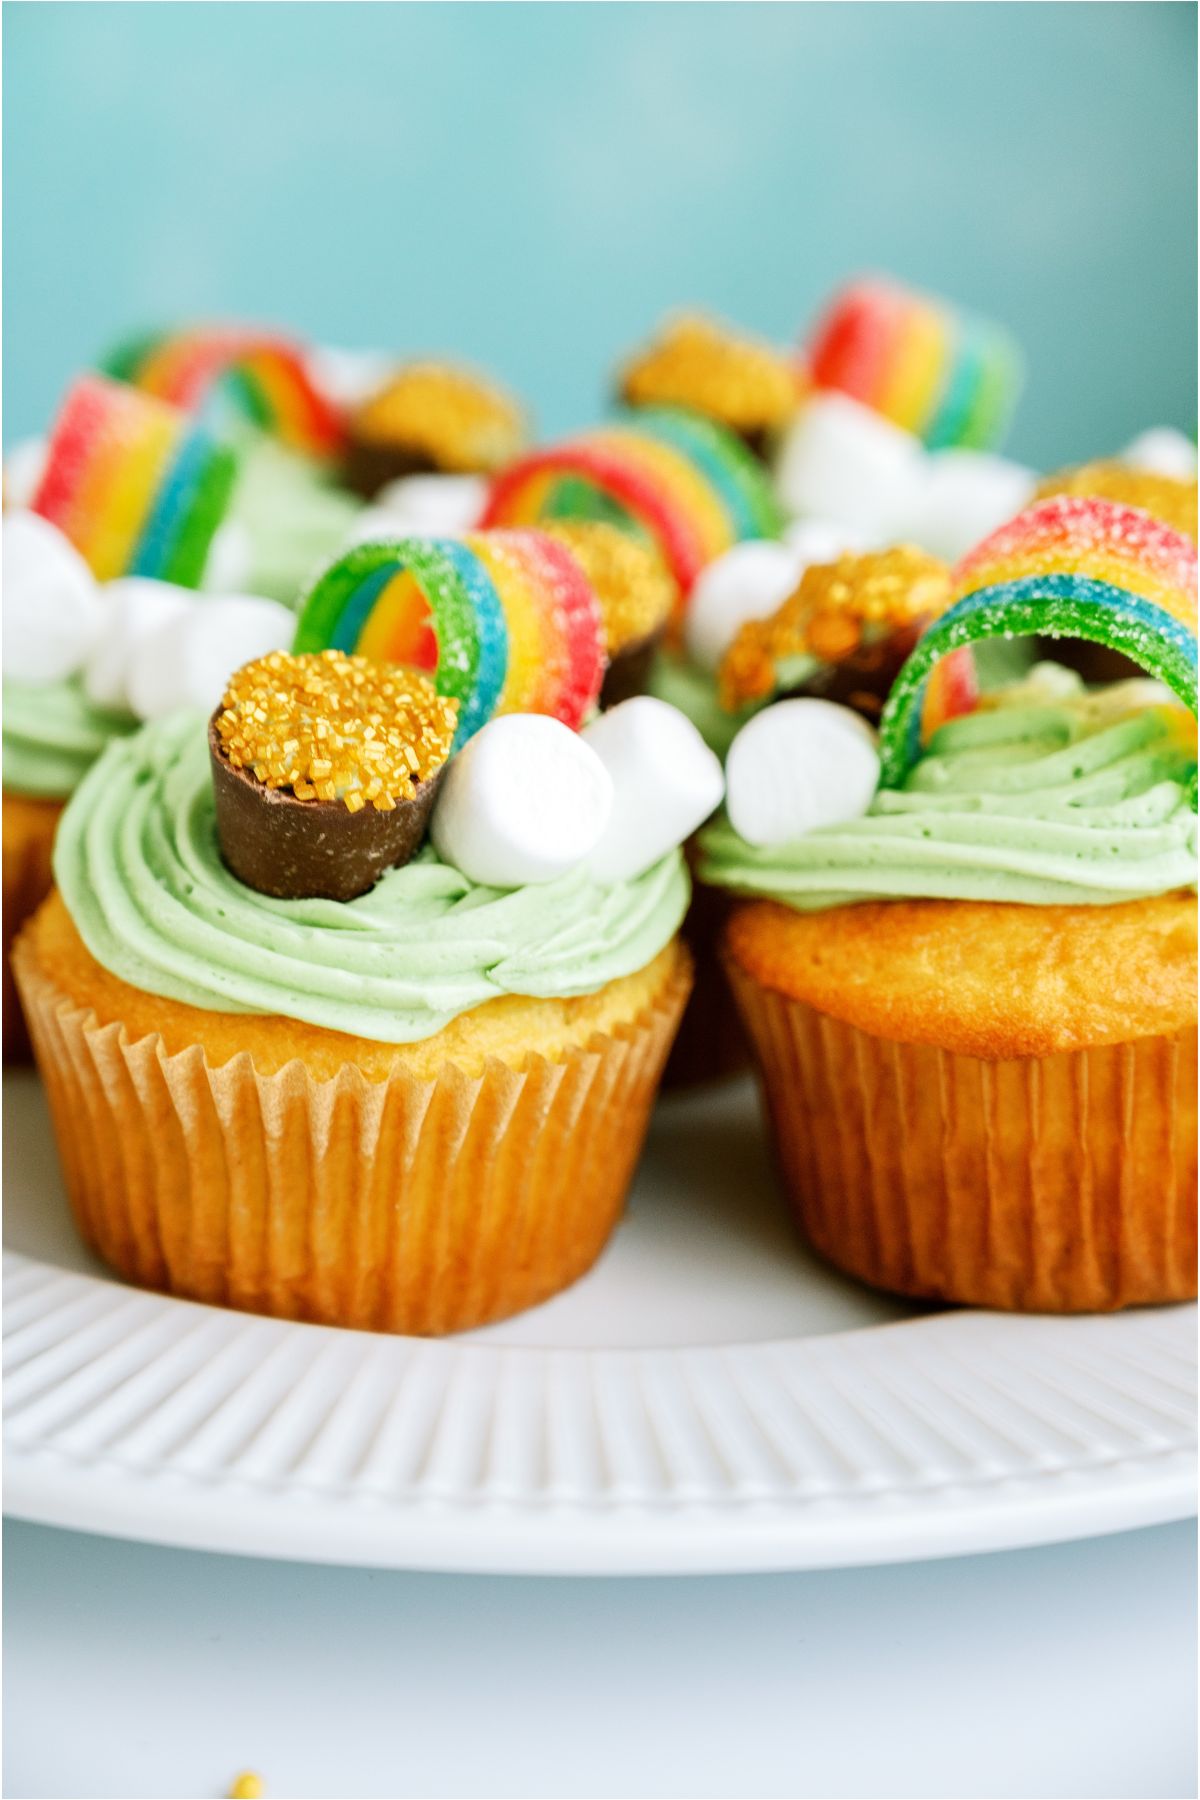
[137, 486]
[503, 621]
[266, 374]
[950, 378]
[381, 600]
[683, 483]
[1067, 567]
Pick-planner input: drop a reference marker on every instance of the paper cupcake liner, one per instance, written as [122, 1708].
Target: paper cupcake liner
[29, 827]
[1063, 1183]
[409, 1205]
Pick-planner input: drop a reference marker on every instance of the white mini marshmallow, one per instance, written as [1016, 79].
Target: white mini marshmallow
[799, 765]
[24, 467]
[822, 541]
[347, 377]
[1162, 451]
[842, 461]
[188, 661]
[53, 613]
[134, 609]
[435, 505]
[965, 495]
[747, 582]
[228, 563]
[524, 801]
[666, 782]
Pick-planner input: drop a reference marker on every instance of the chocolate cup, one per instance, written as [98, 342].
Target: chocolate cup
[310, 849]
[368, 466]
[863, 680]
[628, 672]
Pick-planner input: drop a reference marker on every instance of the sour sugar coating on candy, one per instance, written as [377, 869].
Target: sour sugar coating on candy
[1067, 567]
[137, 486]
[524, 802]
[848, 625]
[263, 374]
[949, 377]
[425, 603]
[666, 782]
[325, 769]
[798, 766]
[1167, 498]
[53, 611]
[683, 483]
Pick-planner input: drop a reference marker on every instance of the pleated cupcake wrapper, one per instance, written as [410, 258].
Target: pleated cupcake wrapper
[1063, 1183]
[28, 878]
[410, 1205]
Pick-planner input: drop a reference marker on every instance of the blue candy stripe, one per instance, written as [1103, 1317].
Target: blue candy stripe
[169, 514]
[1015, 609]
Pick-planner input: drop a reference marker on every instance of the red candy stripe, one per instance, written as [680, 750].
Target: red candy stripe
[577, 616]
[676, 535]
[84, 416]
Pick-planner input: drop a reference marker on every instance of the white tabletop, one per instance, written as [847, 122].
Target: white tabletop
[133, 1671]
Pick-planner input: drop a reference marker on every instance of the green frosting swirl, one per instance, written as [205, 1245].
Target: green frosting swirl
[52, 736]
[137, 862]
[294, 519]
[1082, 799]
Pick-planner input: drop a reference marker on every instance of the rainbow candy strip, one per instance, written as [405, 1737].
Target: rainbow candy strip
[950, 378]
[503, 621]
[265, 374]
[687, 484]
[137, 486]
[1066, 567]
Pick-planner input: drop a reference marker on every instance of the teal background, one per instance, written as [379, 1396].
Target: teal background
[531, 186]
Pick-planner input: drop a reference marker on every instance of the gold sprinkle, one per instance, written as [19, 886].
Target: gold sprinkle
[728, 375]
[837, 609]
[459, 420]
[636, 590]
[248, 1786]
[1171, 501]
[330, 726]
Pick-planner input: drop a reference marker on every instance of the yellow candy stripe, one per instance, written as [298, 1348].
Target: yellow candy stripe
[120, 486]
[534, 652]
[1128, 572]
[914, 378]
[401, 601]
[690, 490]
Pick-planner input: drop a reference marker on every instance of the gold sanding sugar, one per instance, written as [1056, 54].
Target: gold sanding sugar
[635, 588]
[835, 608]
[1172, 501]
[248, 1786]
[336, 727]
[699, 363]
[460, 420]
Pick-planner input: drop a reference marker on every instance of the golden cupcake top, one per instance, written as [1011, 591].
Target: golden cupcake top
[837, 609]
[327, 726]
[708, 367]
[1165, 497]
[633, 585]
[461, 421]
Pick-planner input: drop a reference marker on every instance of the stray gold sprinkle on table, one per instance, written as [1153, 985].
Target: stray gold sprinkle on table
[837, 608]
[635, 589]
[248, 1786]
[1167, 499]
[336, 727]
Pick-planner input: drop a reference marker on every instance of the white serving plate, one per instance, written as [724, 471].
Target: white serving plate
[709, 1398]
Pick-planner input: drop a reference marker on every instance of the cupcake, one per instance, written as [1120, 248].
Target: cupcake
[730, 377]
[965, 952]
[303, 1059]
[431, 418]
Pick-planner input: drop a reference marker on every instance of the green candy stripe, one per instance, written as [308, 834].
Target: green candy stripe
[1069, 606]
